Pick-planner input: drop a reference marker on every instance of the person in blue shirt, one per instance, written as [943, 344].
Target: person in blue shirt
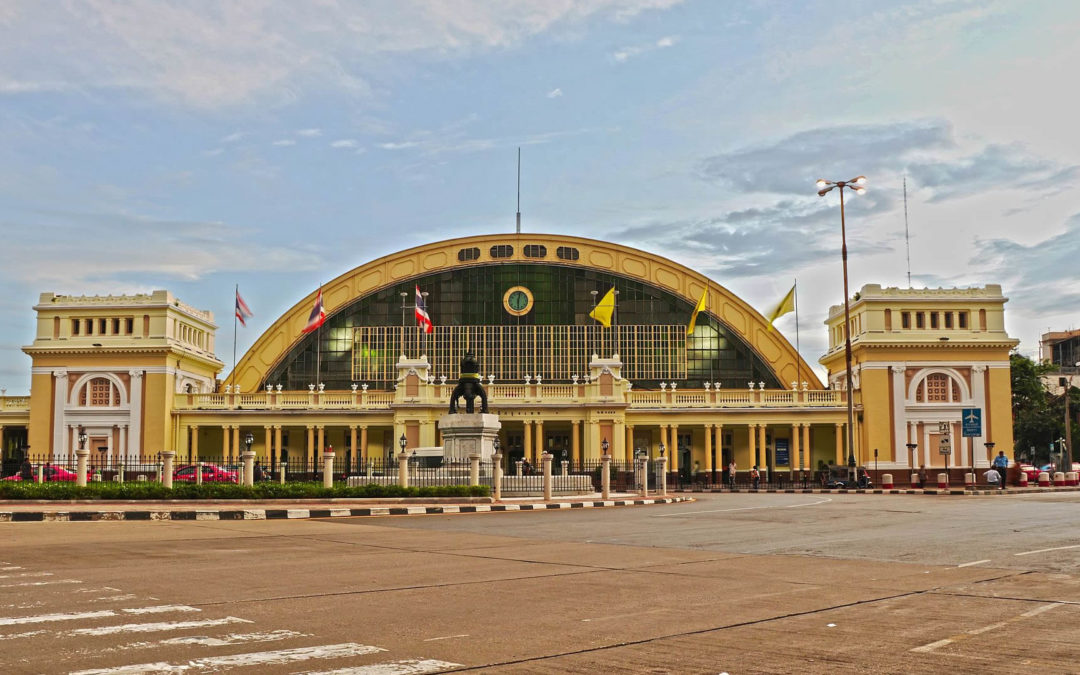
[1001, 465]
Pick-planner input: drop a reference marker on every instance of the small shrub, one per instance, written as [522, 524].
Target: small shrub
[17, 490]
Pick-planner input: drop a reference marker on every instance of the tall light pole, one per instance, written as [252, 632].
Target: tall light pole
[824, 187]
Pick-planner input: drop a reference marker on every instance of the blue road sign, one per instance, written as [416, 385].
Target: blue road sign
[971, 422]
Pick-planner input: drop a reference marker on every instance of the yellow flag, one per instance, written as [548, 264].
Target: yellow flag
[783, 307]
[605, 308]
[697, 310]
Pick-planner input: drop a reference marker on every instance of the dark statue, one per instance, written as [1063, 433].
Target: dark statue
[469, 386]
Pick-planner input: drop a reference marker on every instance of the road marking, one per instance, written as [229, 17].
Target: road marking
[41, 583]
[12, 636]
[26, 574]
[234, 639]
[100, 614]
[404, 667]
[10, 568]
[927, 648]
[745, 508]
[1044, 550]
[975, 562]
[446, 637]
[156, 627]
[215, 663]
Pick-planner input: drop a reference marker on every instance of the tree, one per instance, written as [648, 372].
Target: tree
[1038, 415]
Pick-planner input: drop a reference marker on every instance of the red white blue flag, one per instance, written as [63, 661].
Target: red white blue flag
[422, 318]
[317, 316]
[242, 310]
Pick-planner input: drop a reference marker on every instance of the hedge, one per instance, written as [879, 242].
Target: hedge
[296, 490]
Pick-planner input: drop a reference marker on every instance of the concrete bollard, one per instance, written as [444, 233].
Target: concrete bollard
[474, 469]
[120, 474]
[198, 473]
[943, 481]
[605, 477]
[969, 480]
[1044, 479]
[886, 481]
[661, 476]
[1022, 479]
[167, 468]
[496, 476]
[282, 466]
[249, 467]
[565, 470]
[1059, 479]
[1071, 478]
[81, 459]
[519, 464]
[546, 460]
[40, 474]
[328, 470]
[643, 476]
[403, 470]
[915, 480]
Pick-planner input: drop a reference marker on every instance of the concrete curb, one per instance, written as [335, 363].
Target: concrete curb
[298, 514]
[879, 491]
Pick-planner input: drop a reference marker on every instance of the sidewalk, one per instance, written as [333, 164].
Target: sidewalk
[238, 509]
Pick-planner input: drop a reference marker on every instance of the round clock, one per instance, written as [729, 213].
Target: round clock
[518, 301]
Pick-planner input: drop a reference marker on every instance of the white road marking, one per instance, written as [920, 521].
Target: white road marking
[446, 637]
[156, 627]
[12, 636]
[745, 508]
[1044, 550]
[26, 574]
[114, 598]
[41, 583]
[404, 667]
[10, 568]
[234, 639]
[215, 663]
[1040, 610]
[100, 614]
[974, 562]
[927, 648]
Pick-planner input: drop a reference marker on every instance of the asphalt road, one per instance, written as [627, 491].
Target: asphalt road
[767, 583]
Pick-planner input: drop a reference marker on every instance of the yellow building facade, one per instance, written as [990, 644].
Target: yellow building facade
[139, 374]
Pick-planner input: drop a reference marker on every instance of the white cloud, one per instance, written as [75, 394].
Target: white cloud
[233, 137]
[344, 143]
[398, 146]
[284, 142]
[626, 53]
[224, 54]
[212, 153]
[555, 93]
[309, 133]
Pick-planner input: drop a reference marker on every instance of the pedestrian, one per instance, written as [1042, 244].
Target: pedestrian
[258, 472]
[755, 476]
[992, 477]
[26, 469]
[922, 476]
[1001, 465]
[731, 473]
[47, 471]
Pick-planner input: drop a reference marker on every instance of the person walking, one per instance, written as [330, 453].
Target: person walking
[1001, 465]
[731, 474]
[26, 469]
[755, 476]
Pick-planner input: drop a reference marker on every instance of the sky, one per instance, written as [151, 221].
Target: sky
[198, 145]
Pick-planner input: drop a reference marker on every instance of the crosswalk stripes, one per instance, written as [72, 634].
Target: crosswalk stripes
[98, 625]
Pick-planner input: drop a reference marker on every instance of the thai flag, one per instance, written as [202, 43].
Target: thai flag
[242, 310]
[317, 316]
[422, 318]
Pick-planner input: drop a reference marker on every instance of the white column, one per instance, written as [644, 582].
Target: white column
[59, 403]
[899, 413]
[913, 434]
[978, 400]
[926, 444]
[122, 455]
[135, 392]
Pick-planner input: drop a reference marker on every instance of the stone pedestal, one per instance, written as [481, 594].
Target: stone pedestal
[466, 434]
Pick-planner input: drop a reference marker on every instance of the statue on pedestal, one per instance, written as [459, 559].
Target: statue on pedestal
[469, 386]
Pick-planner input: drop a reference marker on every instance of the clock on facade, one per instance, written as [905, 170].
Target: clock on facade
[518, 301]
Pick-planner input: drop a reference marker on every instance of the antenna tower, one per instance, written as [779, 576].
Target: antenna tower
[907, 234]
[519, 193]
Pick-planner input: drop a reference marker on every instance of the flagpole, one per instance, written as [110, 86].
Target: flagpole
[318, 349]
[798, 352]
[237, 294]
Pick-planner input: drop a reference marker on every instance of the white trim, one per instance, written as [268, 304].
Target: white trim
[921, 375]
[135, 428]
[882, 365]
[121, 390]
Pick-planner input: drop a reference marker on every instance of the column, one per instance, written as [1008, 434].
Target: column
[674, 451]
[718, 446]
[136, 395]
[708, 449]
[526, 438]
[913, 437]
[575, 442]
[322, 438]
[761, 447]
[629, 450]
[353, 447]
[978, 397]
[805, 445]
[235, 441]
[310, 452]
[266, 442]
[899, 430]
[277, 440]
[194, 448]
[540, 449]
[795, 450]
[839, 444]
[60, 382]
[123, 442]
[224, 441]
[664, 439]
[618, 442]
[752, 429]
[363, 443]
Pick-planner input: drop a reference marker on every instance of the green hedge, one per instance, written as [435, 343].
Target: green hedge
[152, 490]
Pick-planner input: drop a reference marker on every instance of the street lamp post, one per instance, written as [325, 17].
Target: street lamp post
[911, 448]
[82, 438]
[249, 438]
[824, 187]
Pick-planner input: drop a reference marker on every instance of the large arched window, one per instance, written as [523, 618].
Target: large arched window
[99, 392]
[938, 388]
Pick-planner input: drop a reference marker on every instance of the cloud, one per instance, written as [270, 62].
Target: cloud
[226, 54]
[284, 142]
[398, 146]
[344, 143]
[626, 53]
[233, 137]
[555, 93]
[309, 133]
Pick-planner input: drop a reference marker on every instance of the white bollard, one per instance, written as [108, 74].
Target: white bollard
[81, 461]
[546, 459]
[167, 468]
[496, 476]
[643, 476]
[474, 469]
[249, 468]
[605, 477]
[403, 470]
[198, 473]
[661, 476]
[281, 471]
[328, 470]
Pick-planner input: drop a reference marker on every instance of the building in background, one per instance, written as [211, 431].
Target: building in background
[139, 372]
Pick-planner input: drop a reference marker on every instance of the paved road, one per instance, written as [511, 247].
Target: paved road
[730, 583]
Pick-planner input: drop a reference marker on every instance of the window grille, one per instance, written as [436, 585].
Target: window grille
[467, 254]
[502, 251]
[535, 251]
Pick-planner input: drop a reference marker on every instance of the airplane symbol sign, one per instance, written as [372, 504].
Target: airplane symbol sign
[971, 422]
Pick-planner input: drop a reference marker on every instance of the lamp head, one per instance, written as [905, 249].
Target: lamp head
[821, 183]
[860, 180]
[824, 191]
[859, 190]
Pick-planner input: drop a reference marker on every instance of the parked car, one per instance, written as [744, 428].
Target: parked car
[1034, 471]
[211, 473]
[52, 474]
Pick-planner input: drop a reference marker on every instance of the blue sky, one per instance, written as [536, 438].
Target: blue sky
[196, 145]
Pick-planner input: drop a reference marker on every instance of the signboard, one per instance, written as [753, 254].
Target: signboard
[783, 452]
[944, 446]
[971, 422]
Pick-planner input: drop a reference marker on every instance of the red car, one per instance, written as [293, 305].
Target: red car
[211, 473]
[52, 474]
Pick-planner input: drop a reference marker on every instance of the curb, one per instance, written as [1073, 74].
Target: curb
[880, 491]
[300, 514]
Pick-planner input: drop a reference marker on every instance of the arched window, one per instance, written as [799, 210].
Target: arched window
[99, 392]
[938, 388]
